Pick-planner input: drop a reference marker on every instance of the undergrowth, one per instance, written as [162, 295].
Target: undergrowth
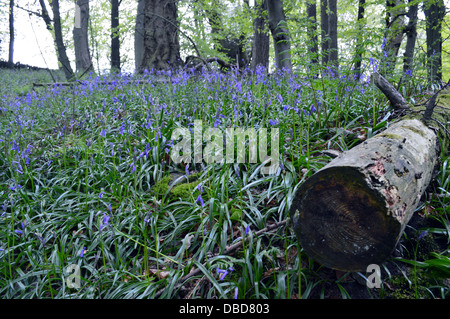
[87, 182]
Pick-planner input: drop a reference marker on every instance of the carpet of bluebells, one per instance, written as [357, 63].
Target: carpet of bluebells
[82, 168]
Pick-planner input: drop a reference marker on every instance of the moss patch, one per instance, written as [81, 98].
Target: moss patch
[183, 190]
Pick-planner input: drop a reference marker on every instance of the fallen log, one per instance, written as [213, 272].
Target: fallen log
[353, 211]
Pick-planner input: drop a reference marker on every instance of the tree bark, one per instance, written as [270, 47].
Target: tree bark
[115, 39]
[394, 34]
[333, 33]
[359, 39]
[325, 40]
[139, 35]
[11, 32]
[411, 36]
[161, 44]
[398, 102]
[353, 211]
[59, 41]
[434, 12]
[280, 34]
[313, 46]
[83, 60]
[261, 41]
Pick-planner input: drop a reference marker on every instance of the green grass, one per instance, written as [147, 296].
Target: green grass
[85, 173]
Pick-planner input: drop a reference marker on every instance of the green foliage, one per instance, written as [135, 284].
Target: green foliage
[86, 177]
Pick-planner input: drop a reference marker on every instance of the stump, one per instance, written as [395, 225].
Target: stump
[353, 211]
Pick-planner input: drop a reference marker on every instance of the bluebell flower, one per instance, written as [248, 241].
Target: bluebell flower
[224, 272]
[423, 234]
[199, 198]
[82, 252]
[105, 221]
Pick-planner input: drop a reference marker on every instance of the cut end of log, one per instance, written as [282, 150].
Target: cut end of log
[342, 222]
[352, 212]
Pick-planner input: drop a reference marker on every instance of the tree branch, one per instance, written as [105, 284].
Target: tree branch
[397, 100]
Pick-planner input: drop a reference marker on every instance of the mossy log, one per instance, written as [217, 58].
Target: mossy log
[353, 211]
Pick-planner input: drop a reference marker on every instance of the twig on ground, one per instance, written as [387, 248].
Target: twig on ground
[227, 251]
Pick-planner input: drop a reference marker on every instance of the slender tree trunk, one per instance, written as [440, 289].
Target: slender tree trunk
[11, 32]
[139, 35]
[115, 39]
[261, 42]
[313, 46]
[395, 20]
[434, 12]
[64, 63]
[359, 39]
[161, 44]
[83, 60]
[280, 34]
[324, 31]
[411, 36]
[332, 31]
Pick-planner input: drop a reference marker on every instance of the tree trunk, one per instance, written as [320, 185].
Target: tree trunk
[313, 46]
[227, 43]
[324, 31]
[352, 212]
[11, 32]
[59, 41]
[394, 34]
[434, 12]
[261, 41]
[411, 36]
[45, 16]
[83, 60]
[280, 34]
[139, 35]
[161, 45]
[332, 31]
[115, 39]
[359, 45]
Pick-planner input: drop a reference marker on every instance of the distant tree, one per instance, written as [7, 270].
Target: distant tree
[11, 32]
[161, 43]
[230, 44]
[280, 34]
[313, 46]
[139, 35]
[333, 34]
[115, 39]
[64, 63]
[325, 40]
[261, 39]
[329, 34]
[411, 36]
[435, 13]
[359, 44]
[395, 22]
[83, 60]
